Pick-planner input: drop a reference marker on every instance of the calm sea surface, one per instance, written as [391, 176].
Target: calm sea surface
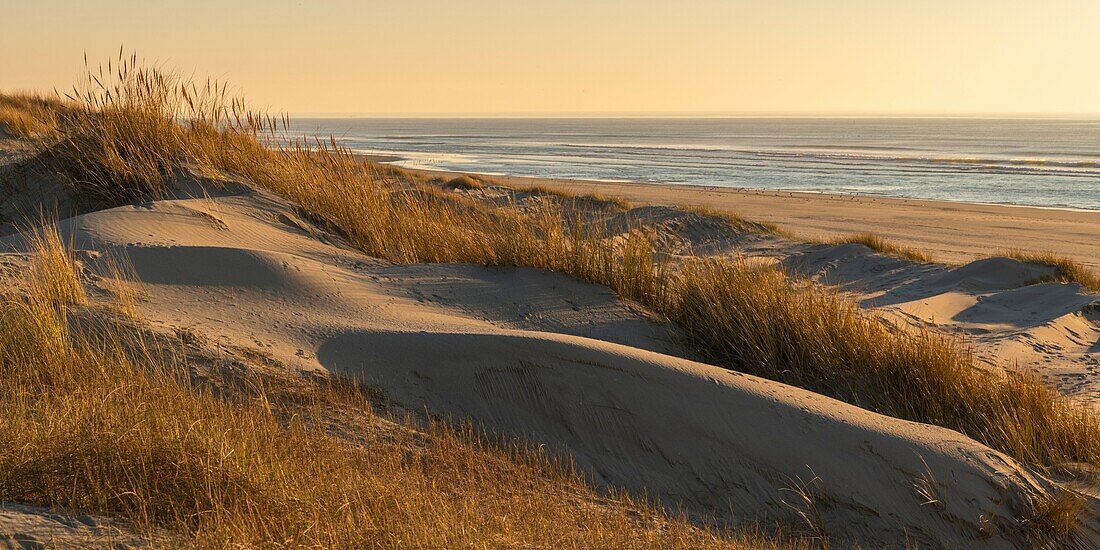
[1039, 162]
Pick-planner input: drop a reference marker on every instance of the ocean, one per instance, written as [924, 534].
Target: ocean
[1035, 162]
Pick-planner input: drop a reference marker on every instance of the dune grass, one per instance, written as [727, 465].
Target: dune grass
[1065, 269]
[757, 321]
[463, 182]
[101, 420]
[52, 267]
[1054, 516]
[741, 223]
[885, 246]
[596, 198]
[27, 115]
[762, 321]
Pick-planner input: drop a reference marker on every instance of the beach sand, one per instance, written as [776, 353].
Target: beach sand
[953, 232]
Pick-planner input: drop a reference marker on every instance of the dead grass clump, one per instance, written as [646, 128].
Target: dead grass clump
[19, 123]
[1065, 269]
[53, 276]
[879, 244]
[758, 320]
[98, 420]
[739, 223]
[463, 182]
[1054, 515]
[27, 116]
[121, 136]
[604, 200]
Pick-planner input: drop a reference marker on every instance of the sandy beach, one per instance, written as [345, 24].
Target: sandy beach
[953, 232]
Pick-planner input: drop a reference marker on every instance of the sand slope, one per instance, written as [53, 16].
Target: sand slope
[26, 527]
[563, 363]
[953, 231]
[994, 303]
[1050, 329]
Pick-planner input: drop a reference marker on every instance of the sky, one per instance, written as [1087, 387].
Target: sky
[471, 57]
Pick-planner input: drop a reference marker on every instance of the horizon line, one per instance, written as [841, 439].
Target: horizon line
[701, 114]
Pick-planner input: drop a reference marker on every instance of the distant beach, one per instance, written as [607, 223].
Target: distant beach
[951, 231]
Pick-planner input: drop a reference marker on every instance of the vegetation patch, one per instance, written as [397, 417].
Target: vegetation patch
[885, 246]
[1065, 269]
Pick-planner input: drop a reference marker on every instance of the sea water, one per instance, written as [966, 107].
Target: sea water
[1037, 162]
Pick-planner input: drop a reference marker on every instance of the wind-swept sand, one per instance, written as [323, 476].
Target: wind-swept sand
[23, 527]
[994, 303]
[542, 356]
[952, 231]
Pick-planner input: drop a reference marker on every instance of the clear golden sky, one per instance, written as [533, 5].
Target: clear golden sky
[595, 56]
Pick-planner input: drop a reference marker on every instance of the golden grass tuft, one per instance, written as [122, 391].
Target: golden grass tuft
[760, 321]
[1065, 269]
[594, 198]
[120, 137]
[1054, 515]
[53, 275]
[463, 182]
[27, 116]
[885, 246]
[740, 223]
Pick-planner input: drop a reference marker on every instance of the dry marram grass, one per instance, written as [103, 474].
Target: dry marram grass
[99, 420]
[52, 267]
[1065, 269]
[759, 320]
[885, 246]
[27, 115]
[1054, 515]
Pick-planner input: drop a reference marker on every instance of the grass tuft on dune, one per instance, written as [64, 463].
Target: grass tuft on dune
[761, 321]
[27, 115]
[52, 274]
[885, 246]
[1065, 269]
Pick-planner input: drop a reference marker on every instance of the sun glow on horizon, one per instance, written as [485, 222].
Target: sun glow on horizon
[606, 57]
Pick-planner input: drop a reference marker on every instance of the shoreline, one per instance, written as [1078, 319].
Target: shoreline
[953, 232]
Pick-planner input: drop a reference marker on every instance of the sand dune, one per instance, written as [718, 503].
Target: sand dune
[562, 363]
[23, 527]
[996, 303]
[1046, 328]
[952, 231]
